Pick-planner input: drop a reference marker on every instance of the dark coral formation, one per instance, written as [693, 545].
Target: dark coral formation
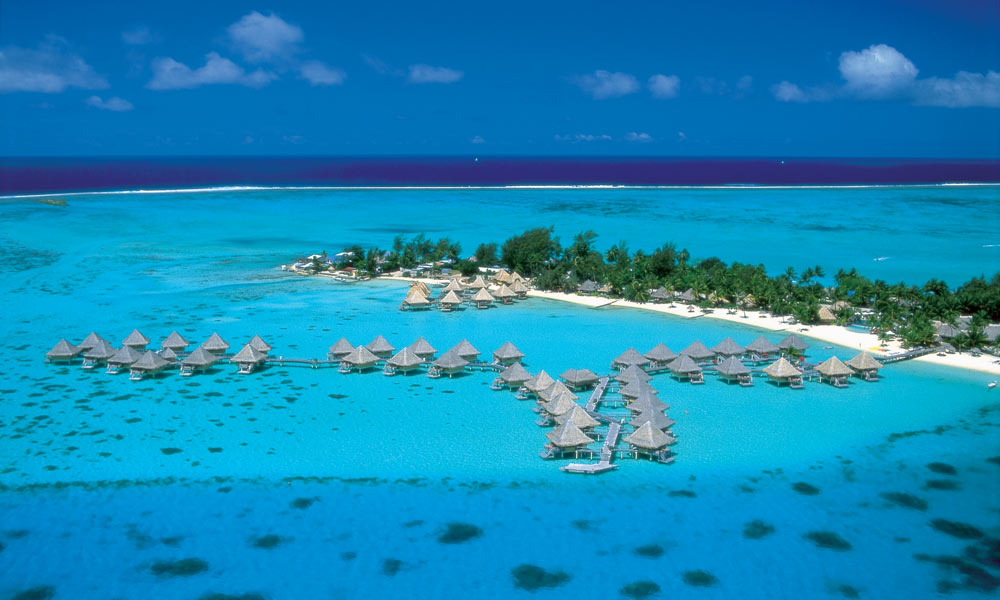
[700, 578]
[757, 529]
[650, 551]
[942, 468]
[805, 489]
[905, 500]
[456, 533]
[184, 567]
[41, 592]
[640, 589]
[532, 577]
[267, 542]
[828, 540]
[962, 531]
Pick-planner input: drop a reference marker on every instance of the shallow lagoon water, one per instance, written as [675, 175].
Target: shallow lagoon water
[357, 477]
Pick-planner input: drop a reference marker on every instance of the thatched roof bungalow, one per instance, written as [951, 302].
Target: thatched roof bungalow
[782, 372]
[579, 378]
[136, 340]
[507, 354]
[215, 344]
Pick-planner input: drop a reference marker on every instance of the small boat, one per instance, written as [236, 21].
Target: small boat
[991, 384]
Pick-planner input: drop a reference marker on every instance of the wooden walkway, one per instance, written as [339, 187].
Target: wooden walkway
[885, 360]
[607, 452]
[597, 394]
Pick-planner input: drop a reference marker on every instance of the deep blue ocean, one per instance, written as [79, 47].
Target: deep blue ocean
[305, 483]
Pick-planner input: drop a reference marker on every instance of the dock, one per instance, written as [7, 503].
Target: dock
[597, 394]
[607, 452]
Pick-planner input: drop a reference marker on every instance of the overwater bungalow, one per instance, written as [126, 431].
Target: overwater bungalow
[99, 354]
[453, 286]
[339, 350]
[149, 363]
[632, 373]
[834, 371]
[793, 344]
[659, 356]
[450, 302]
[512, 377]
[728, 347]
[421, 287]
[215, 344]
[560, 403]
[448, 364]
[647, 401]
[259, 344]
[782, 372]
[360, 359]
[761, 349]
[199, 360]
[404, 361]
[415, 300]
[733, 370]
[628, 358]
[380, 347]
[578, 379]
[539, 382]
[519, 288]
[684, 368]
[507, 354]
[123, 357]
[168, 354]
[698, 352]
[650, 442]
[565, 439]
[423, 349]
[175, 342]
[63, 351]
[579, 417]
[483, 298]
[502, 276]
[554, 390]
[633, 388]
[476, 284]
[505, 294]
[588, 287]
[865, 367]
[136, 340]
[90, 341]
[466, 351]
[656, 418]
[248, 359]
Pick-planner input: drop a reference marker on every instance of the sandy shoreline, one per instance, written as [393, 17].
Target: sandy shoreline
[833, 334]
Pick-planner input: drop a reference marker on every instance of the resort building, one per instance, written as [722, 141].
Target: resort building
[512, 377]
[698, 352]
[136, 340]
[865, 367]
[404, 361]
[632, 373]
[519, 288]
[63, 351]
[483, 298]
[99, 354]
[466, 351]
[450, 302]
[579, 378]
[360, 359]
[126, 356]
[539, 382]
[654, 417]
[628, 358]
[90, 341]
[761, 349]
[215, 344]
[782, 372]
[733, 370]
[793, 344]
[650, 442]
[565, 439]
[415, 299]
[149, 363]
[423, 349]
[684, 368]
[339, 350]
[259, 344]
[579, 417]
[727, 348]
[834, 371]
[507, 354]
[380, 347]
[448, 364]
[659, 356]
[248, 359]
[505, 294]
[199, 360]
[175, 342]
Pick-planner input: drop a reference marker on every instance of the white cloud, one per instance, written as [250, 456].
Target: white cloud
[962, 91]
[263, 38]
[743, 84]
[602, 85]
[113, 103]
[786, 91]
[168, 74]
[50, 68]
[318, 73]
[633, 136]
[137, 36]
[664, 86]
[478, 140]
[878, 71]
[422, 73]
[583, 137]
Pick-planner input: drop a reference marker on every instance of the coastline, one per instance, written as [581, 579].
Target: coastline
[834, 334]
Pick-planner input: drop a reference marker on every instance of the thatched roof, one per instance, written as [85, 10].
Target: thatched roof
[826, 315]
[249, 355]
[360, 357]
[633, 373]
[588, 287]
[508, 352]
[502, 276]
[554, 390]
[505, 292]
[126, 355]
[947, 331]
[519, 287]
[539, 382]
[687, 295]
[781, 369]
[150, 361]
[63, 349]
[833, 367]
[423, 348]
[633, 388]
[199, 358]
[660, 353]
[579, 376]
[342, 347]
[257, 342]
[728, 347]
[90, 341]
[568, 435]
[415, 297]
[683, 364]
[174, 341]
[136, 339]
[864, 362]
[515, 374]
[483, 296]
[731, 367]
[698, 351]
[453, 286]
[421, 287]
[630, 357]
[450, 360]
[793, 341]
[559, 404]
[659, 293]
[168, 354]
[465, 350]
[103, 350]
[405, 358]
[762, 345]
[215, 343]
[647, 401]
[380, 345]
[451, 298]
[656, 418]
[648, 437]
[515, 276]
[477, 283]
[579, 417]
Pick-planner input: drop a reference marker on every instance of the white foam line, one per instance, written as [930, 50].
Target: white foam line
[259, 188]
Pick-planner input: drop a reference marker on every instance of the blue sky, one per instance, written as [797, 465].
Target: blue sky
[915, 78]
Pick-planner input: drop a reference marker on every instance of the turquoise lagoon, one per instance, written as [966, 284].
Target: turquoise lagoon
[302, 483]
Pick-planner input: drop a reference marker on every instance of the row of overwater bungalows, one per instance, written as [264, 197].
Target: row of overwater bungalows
[477, 292]
[417, 356]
